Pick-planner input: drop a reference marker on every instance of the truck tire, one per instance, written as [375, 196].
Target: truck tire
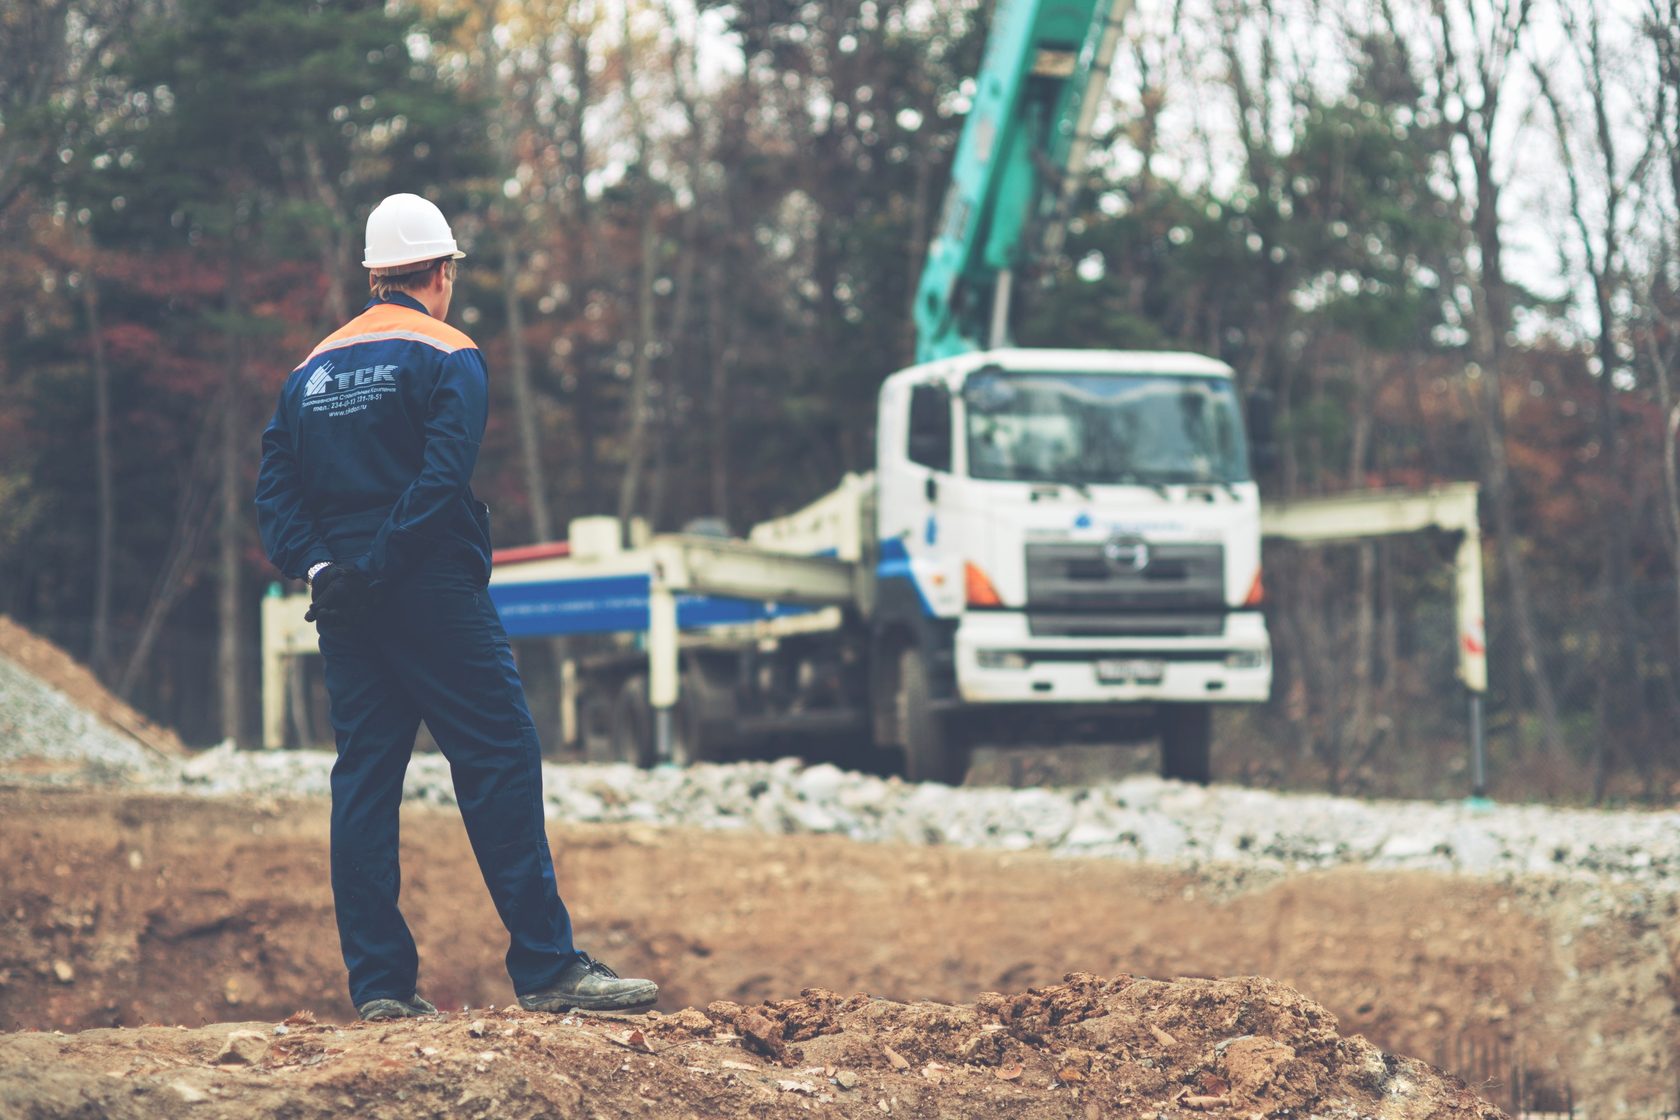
[1187, 743]
[631, 736]
[595, 707]
[692, 738]
[930, 752]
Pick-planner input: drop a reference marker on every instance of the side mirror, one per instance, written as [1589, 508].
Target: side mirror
[1261, 410]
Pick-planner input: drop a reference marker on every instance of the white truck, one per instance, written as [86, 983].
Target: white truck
[1056, 546]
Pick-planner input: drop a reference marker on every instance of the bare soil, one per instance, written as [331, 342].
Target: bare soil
[118, 910]
[1085, 1048]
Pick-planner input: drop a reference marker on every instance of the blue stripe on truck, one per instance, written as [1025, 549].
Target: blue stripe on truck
[610, 604]
[894, 563]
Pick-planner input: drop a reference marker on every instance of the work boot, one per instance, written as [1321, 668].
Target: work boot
[589, 985]
[411, 1008]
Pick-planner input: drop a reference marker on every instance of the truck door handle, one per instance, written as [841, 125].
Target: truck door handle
[932, 489]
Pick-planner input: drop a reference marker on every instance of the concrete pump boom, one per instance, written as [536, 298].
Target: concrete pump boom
[1017, 165]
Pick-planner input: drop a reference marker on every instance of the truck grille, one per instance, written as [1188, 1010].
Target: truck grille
[1074, 590]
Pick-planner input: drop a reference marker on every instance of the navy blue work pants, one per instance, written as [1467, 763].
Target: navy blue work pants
[435, 650]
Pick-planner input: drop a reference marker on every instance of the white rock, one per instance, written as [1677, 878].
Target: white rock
[1090, 834]
[1474, 850]
[819, 782]
[243, 1048]
[1406, 847]
[188, 1092]
[812, 818]
[1160, 838]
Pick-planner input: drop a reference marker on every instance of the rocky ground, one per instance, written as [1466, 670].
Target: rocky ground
[1140, 818]
[1087, 1048]
[137, 908]
[1533, 951]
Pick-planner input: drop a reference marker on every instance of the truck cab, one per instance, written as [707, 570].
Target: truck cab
[1069, 549]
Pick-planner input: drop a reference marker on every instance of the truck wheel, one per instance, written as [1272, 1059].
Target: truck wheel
[703, 725]
[690, 742]
[595, 724]
[631, 737]
[1187, 743]
[930, 755]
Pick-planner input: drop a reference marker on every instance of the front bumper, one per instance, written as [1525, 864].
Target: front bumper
[1234, 667]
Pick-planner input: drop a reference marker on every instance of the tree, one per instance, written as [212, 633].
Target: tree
[852, 112]
[226, 102]
[51, 69]
[52, 53]
[1603, 186]
[1473, 48]
[1657, 294]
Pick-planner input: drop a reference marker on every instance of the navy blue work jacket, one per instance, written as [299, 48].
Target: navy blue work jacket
[370, 453]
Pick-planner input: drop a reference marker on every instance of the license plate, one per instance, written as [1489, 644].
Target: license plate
[1143, 670]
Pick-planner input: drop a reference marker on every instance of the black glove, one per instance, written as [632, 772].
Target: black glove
[339, 596]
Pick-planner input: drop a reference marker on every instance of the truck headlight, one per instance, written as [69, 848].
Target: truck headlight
[1001, 659]
[1245, 659]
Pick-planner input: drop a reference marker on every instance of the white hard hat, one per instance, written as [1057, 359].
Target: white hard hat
[406, 229]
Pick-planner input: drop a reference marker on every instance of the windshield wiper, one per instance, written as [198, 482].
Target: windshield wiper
[1186, 478]
[1135, 478]
[1038, 482]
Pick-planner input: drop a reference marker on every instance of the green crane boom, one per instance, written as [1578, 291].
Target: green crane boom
[1018, 161]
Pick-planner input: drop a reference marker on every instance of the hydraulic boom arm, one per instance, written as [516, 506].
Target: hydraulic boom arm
[1022, 149]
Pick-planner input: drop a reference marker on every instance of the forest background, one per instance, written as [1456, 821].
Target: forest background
[1444, 235]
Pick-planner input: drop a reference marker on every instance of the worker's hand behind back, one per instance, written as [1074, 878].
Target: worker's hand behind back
[339, 596]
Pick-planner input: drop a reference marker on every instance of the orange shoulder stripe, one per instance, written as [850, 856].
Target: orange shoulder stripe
[394, 321]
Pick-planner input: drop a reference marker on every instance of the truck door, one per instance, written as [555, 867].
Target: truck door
[914, 464]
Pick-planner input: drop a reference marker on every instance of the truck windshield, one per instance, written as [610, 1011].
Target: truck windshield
[1104, 428]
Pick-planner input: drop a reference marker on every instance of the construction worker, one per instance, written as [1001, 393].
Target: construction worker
[363, 492]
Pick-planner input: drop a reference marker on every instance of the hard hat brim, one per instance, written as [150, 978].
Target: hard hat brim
[421, 259]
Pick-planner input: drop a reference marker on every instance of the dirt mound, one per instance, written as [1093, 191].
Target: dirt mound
[50, 665]
[1088, 1047]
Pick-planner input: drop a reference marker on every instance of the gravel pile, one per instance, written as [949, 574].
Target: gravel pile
[1142, 819]
[46, 736]
[50, 737]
